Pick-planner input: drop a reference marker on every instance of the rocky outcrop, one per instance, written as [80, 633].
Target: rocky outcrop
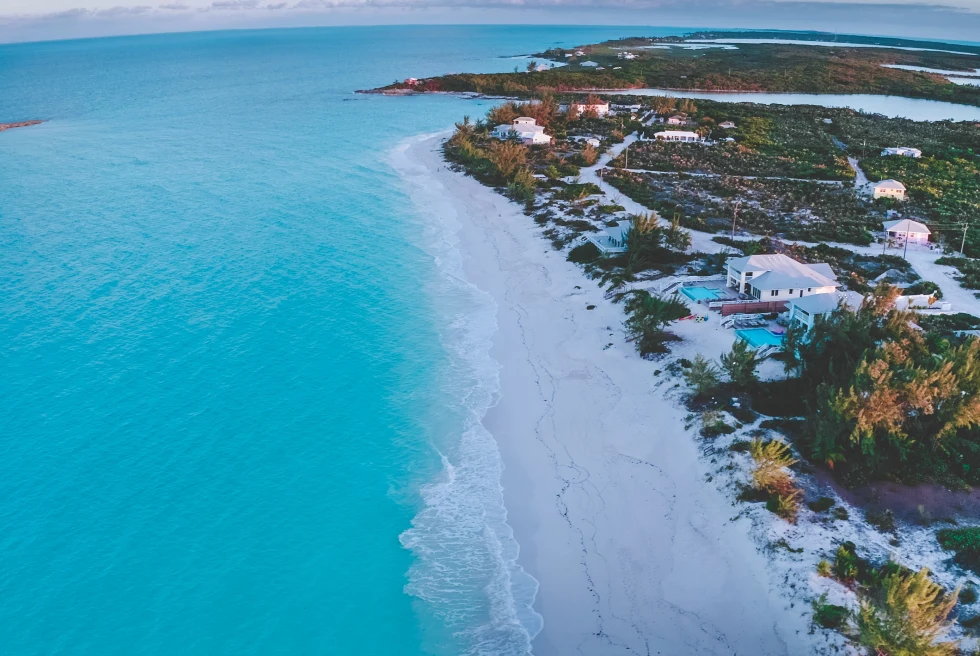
[21, 124]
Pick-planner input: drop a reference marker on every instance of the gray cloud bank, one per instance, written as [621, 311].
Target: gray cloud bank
[913, 20]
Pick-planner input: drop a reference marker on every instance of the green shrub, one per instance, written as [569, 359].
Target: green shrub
[846, 563]
[964, 543]
[824, 568]
[584, 253]
[829, 616]
[924, 287]
[822, 504]
[883, 520]
[968, 594]
[740, 446]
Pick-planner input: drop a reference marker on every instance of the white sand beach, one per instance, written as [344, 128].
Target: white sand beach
[634, 549]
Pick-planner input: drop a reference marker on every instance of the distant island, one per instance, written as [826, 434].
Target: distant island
[723, 61]
[19, 124]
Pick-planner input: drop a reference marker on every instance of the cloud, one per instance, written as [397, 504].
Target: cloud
[235, 4]
[907, 18]
[122, 11]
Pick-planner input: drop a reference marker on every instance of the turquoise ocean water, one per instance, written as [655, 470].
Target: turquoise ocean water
[240, 396]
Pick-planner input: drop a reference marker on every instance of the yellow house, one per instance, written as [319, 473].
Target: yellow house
[889, 189]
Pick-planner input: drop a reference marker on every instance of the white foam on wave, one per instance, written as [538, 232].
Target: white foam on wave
[466, 556]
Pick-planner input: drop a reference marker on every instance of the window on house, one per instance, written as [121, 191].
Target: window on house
[790, 291]
[774, 292]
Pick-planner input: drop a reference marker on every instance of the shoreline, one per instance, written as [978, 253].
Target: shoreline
[604, 488]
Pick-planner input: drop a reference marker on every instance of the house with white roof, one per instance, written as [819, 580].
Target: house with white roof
[677, 119]
[907, 229]
[626, 55]
[804, 311]
[600, 108]
[525, 129]
[590, 64]
[779, 278]
[889, 189]
[726, 125]
[903, 151]
[678, 135]
[612, 239]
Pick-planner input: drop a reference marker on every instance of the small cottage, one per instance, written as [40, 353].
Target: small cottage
[902, 151]
[907, 229]
[889, 189]
[678, 135]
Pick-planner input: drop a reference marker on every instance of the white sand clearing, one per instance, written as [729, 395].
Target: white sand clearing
[635, 552]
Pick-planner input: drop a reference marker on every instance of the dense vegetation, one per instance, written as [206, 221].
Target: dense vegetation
[900, 612]
[778, 208]
[752, 67]
[769, 140]
[885, 400]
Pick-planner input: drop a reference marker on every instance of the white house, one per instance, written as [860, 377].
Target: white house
[524, 129]
[889, 189]
[726, 125]
[922, 303]
[804, 311]
[677, 119]
[612, 239]
[903, 151]
[579, 53]
[590, 64]
[678, 135]
[779, 278]
[902, 229]
[626, 55]
[601, 109]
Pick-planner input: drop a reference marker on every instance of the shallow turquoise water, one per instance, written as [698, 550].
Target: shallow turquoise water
[233, 375]
[240, 401]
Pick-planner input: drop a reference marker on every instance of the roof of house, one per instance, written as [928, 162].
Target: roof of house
[589, 63]
[906, 225]
[890, 184]
[824, 303]
[679, 133]
[782, 272]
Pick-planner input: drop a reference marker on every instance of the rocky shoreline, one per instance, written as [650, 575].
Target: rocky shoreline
[19, 124]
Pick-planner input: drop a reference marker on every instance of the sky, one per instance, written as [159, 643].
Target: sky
[36, 20]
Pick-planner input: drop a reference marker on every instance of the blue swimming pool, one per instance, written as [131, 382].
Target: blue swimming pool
[700, 293]
[758, 337]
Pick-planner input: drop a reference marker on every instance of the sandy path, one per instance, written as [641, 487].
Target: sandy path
[634, 551]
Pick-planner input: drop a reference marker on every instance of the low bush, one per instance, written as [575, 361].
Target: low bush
[965, 545]
[829, 616]
[924, 287]
[823, 504]
[883, 520]
[846, 563]
[584, 253]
